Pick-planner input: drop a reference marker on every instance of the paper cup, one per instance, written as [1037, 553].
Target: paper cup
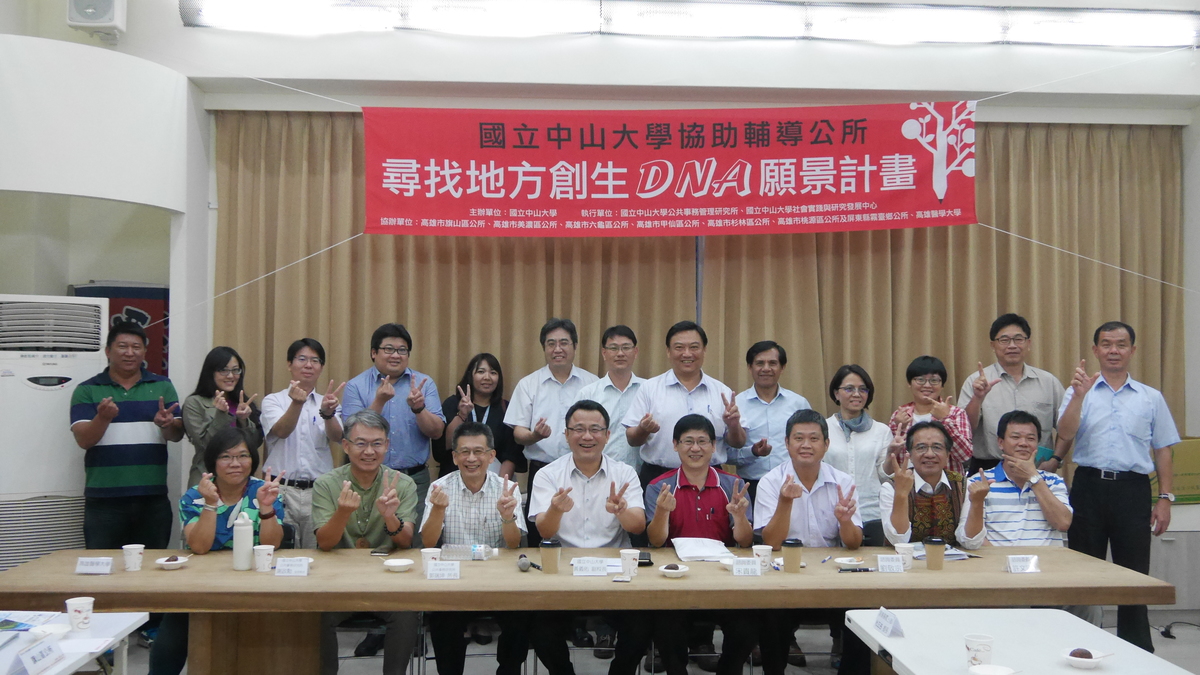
[264, 554]
[906, 551]
[979, 649]
[629, 562]
[763, 553]
[429, 555]
[551, 550]
[133, 556]
[79, 613]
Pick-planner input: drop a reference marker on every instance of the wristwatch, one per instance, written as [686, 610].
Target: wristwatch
[1037, 478]
[391, 533]
[1167, 496]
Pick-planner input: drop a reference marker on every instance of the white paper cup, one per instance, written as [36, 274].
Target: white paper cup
[629, 562]
[429, 555]
[763, 553]
[906, 551]
[979, 649]
[79, 613]
[133, 556]
[264, 554]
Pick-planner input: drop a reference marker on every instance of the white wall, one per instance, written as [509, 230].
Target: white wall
[1191, 272]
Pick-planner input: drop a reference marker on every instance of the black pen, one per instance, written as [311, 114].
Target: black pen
[857, 569]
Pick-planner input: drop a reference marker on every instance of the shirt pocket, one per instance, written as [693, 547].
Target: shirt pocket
[1137, 420]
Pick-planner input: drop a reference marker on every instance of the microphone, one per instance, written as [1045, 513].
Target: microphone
[524, 563]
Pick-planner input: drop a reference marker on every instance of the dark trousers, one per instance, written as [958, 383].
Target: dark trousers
[777, 628]
[533, 538]
[976, 463]
[672, 630]
[169, 652]
[649, 472]
[1115, 512]
[450, 649]
[112, 522]
[549, 632]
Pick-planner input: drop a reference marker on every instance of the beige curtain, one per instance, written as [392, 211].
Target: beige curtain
[1109, 193]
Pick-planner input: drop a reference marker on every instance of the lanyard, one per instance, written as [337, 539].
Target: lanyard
[485, 413]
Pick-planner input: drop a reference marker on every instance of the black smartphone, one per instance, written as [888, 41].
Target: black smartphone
[644, 559]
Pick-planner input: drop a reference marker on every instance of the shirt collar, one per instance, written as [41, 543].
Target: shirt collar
[920, 483]
[672, 379]
[603, 467]
[546, 374]
[105, 378]
[824, 477]
[377, 375]
[606, 382]
[711, 481]
[781, 396]
[1026, 371]
[378, 477]
[1129, 382]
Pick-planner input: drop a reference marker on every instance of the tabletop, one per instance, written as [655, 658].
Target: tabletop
[111, 626]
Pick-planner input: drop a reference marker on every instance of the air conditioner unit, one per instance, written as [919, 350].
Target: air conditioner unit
[48, 345]
[105, 18]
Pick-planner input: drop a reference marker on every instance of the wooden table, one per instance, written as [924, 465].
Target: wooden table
[273, 621]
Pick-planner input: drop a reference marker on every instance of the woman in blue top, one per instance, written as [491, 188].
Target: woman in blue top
[207, 512]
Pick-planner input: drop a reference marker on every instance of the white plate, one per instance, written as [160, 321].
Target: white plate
[50, 629]
[398, 564]
[174, 565]
[673, 574]
[851, 562]
[1084, 664]
[726, 563]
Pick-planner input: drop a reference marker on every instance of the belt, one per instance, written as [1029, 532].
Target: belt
[1107, 474]
[300, 484]
[412, 470]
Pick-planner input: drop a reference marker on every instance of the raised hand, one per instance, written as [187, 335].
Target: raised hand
[348, 500]
[388, 501]
[296, 392]
[220, 402]
[268, 492]
[790, 489]
[1082, 383]
[903, 479]
[978, 490]
[507, 504]
[738, 505]
[897, 446]
[1020, 471]
[465, 404]
[542, 429]
[666, 500]
[648, 425]
[561, 501]
[941, 408]
[437, 498]
[244, 406]
[385, 392]
[903, 418]
[616, 504]
[981, 386]
[416, 394]
[208, 489]
[165, 416]
[332, 398]
[846, 505]
[107, 410]
[732, 416]
[761, 448]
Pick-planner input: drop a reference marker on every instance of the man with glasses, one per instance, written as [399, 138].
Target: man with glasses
[362, 504]
[475, 506]
[924, 500]
[299, 424]
[412, 423]
[615, 391]
[1006, 385]
[587, 500]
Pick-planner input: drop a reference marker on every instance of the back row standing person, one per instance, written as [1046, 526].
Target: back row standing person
[616, 390]
[926, 376]
[479, 397]
[407, 399]
[299, 424]
[541, 399]
[219, 402]
[683, 390]
[1009, 384]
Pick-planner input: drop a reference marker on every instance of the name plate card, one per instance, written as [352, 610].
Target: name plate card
[747, 567]
[887, 622]
[1023, 564]
[891, 563]
[591, 567]
[441, 570]
[291, 567]
[93, 566]
[41, 656]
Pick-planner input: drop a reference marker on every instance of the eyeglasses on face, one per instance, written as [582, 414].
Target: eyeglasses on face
[374, 445]
[923, 381]
[595, 430]
[620, 349]
[849, 390]
[230, 459]
[230, 371]
[304, 360]
[1006, 340]
[390, 350]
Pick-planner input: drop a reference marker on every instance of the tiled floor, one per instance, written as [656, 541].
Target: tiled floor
[1183, 651]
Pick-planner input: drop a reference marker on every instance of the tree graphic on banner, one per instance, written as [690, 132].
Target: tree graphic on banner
[958, 134]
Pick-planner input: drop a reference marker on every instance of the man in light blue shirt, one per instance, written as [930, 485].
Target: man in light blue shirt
[765, 409]
[615, 391]
[399, 393]
[1122, 431]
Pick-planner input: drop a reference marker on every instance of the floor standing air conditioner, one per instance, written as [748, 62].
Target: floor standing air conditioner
[48, 345]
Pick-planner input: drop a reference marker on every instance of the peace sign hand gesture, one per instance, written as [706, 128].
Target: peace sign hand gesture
[389, 501]
[896, 447]
[903, 479]
[981, 386]
[416, 395]
[466, 405]
[165, 416]
[332, 398]
[244, 407]
[846, 505]
[740, 502]
[268, 492]
[732, 416]
[616, 503]
[507, 504]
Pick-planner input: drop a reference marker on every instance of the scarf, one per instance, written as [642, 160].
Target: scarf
[858, 425]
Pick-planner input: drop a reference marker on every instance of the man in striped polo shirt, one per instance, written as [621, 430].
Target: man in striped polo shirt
[124, 418]
[1015, 504]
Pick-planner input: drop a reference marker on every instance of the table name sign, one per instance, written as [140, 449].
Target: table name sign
[93, 566]
[291, 567]
[747, 567]
[41, 656]
[442, 570]
[590, 567]
[888, 623]
[891, 563]
[1023, 564]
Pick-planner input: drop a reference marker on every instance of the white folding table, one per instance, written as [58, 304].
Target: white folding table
[114, 627]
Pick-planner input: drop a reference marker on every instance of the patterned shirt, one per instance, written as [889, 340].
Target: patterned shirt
[959, 426]
[191, 505]
[472, 517]
[933, 510]
[1012, 515]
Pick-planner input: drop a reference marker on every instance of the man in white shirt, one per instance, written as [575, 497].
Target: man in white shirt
[540, 401]
[587, 500]
[683, 390]
[299, 424]
[616, 390]
[765, 408]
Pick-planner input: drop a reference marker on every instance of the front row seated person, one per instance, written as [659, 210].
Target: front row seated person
[926, 499]
[697, 500]
[1015, 504]
[806, 499]
[587, 500]
[364, 505]
[475, 506]
[207, 512]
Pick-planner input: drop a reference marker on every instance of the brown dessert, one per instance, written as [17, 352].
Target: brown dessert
[672, 566]
[1081, 653]
[173, 558]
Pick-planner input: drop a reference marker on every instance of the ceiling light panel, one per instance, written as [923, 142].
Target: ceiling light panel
[1103, 28]
[507, 18]
[905, 25]
[292, 17]
[682, 18]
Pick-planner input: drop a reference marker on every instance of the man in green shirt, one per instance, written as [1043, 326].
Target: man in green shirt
[364, 505]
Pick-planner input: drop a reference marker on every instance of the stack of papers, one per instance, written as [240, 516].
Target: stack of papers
[951, 552]
[693, 549]
[24, 620]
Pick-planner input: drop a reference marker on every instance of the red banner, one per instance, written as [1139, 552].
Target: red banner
[573, 173]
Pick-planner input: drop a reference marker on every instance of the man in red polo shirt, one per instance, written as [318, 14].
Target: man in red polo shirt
[697, 500]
